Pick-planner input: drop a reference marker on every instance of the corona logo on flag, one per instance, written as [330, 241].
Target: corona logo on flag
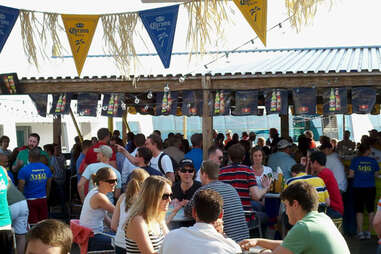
[255, 13]
[80, 31]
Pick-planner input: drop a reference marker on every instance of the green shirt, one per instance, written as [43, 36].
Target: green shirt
[315, 234]
[5, 218]
[24, 156]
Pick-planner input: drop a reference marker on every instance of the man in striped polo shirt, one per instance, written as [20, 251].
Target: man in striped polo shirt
[235, 226]
[239, 176]
[298, 174]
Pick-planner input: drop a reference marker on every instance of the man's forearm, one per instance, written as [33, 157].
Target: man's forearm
[268, 244]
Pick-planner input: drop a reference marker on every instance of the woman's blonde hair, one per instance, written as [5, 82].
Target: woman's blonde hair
[137, 178]
[148, 201]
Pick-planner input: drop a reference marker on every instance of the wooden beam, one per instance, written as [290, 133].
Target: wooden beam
[207, 119]
[107, 85]
[76, 125]
[235, 82]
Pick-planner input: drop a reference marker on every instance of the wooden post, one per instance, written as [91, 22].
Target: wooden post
[124, 127]
[185, 129]
[284, 126]
[76, 125]
[207, 119]
[57, 132]
[110, 124]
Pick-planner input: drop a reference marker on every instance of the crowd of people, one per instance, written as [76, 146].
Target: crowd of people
[127, 189]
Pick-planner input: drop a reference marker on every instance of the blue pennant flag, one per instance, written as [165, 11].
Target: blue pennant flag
[161, 25]
[8, 17]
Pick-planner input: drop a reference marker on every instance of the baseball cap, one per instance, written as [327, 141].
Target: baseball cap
[105, 150]
[283, 144]
[186, 162]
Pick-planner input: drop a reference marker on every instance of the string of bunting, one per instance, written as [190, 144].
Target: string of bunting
[223, 102]
[119, 29]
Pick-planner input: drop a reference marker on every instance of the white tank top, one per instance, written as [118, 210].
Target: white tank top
[120, 237]
[92, 218]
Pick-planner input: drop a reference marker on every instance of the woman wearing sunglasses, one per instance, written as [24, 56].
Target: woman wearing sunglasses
[95, 206]
[145, 223]
[137, 177]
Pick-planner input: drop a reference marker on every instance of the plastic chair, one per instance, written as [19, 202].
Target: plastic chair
[254, 224]
[81, 236]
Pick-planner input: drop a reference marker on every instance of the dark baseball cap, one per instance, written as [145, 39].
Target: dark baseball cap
[186, 162]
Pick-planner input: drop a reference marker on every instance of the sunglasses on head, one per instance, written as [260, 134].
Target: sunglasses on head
[166, 196]
[183, 170]
[111, 181]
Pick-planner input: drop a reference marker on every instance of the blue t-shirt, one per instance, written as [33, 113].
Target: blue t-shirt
[36, 176]
[364, 168]
[196, 156]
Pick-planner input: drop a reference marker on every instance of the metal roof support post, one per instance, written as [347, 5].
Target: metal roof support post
[207, 119]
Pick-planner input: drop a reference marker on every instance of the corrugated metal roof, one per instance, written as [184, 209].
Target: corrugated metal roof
[301, 60]
[247, 61]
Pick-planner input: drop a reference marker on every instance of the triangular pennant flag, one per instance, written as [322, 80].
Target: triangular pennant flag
[8, 17]
[255, 13]
[160, 24]
[80, 31]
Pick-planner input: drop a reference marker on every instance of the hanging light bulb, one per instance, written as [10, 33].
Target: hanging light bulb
[149, 95]
[104, 107]
[136, 100]
[146, 108]
[166, 88]
[181, 79]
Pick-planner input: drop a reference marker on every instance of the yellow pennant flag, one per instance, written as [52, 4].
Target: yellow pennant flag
[80, 31]
[255, 13]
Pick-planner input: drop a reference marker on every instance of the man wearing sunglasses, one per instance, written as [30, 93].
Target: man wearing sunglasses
[216, 155]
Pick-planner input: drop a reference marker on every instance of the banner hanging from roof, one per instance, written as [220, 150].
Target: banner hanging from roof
[80, 31]
[221, 102]
[61, 104]
[304, 100]
[87, 104]
[363, 99]
[40, 101]
[276, 101]
[166, 103]
[9, 83]
[192, 103]
[160, 24]
[112, 105]
[246, 103]
[335, 101]
[8, 17]
[255, 13]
